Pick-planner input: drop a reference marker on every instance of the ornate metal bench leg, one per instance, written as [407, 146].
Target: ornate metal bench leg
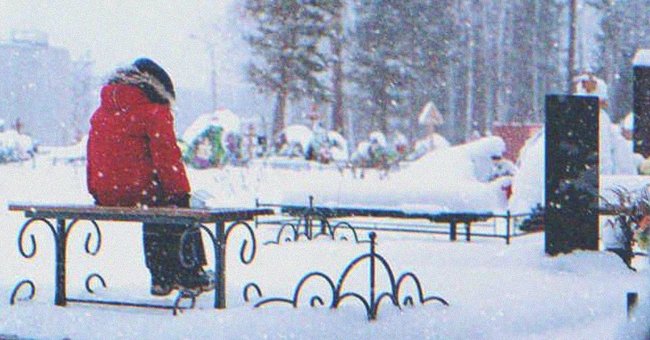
[60, 239]
[220, 267]
[183, 294]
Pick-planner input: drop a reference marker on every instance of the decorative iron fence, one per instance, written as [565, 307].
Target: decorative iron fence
[344, 223]
[372, 301]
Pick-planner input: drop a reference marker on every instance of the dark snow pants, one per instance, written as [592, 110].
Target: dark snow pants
[170, 258]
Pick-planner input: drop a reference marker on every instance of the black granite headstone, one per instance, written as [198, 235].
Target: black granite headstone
[571, 220]
[642, 110]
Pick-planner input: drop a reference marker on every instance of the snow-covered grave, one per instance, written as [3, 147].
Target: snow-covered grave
[14, 146]
[223, 118]
[301, 143]
[494, 291]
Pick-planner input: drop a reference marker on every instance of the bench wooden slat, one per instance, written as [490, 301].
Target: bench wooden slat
[157, 214]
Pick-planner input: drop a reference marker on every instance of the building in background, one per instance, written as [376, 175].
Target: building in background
[38, 89]
[515, 136]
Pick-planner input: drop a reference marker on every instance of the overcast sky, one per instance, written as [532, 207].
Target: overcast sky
[117, 31]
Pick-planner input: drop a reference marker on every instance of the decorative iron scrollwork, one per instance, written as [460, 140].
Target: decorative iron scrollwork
[306, 223]
[184, 295]
[14, 293]
[374, 300]
[251, 237]
[89, 237]
[21, 236]
[60, 233]
[246, 254]
[96, 277]
[247, 289]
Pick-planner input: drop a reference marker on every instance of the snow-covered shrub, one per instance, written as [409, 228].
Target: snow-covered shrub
[631, 226]
[299, 141]
[373, 154]
[15, 147]
[293, 141]
[326, 146]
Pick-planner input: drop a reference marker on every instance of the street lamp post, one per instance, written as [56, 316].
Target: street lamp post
[210, 47]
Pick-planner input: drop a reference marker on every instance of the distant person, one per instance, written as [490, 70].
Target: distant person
[134, 161]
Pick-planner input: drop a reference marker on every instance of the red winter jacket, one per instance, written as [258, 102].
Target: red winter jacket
[133, 158]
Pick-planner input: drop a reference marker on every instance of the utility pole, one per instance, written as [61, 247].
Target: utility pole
[210, 47]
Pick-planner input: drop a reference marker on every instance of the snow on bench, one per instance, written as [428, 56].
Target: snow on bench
[323, 213]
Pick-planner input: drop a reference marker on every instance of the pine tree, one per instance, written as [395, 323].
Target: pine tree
[534, 63]
[336, 36]
[399, 53]
[426, 37]
[289, 62]
[377, 71]
[622, 36]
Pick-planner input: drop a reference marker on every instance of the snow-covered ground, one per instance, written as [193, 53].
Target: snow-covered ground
[495, 291]
[447, 179]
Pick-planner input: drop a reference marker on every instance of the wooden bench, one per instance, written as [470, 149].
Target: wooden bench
[61, 220]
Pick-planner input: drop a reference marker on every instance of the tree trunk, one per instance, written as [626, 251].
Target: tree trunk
[279, 112]
[469, 84]
[488, 71]
[382, 123]
[338, 116]
[536, 93]
[573, 8]
[498, 91]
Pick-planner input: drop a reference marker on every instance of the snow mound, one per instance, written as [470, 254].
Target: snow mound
[599, 91]
[299, 134]
[15, 146]
[443, 180]
[528, 183]
[432, 142]
[641, 58]
[223, 118]
[378, 138]
[583, 262]
[339, 146]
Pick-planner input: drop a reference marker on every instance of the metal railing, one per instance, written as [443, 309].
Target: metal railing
[312, 221]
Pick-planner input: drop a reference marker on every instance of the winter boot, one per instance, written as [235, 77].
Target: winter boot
[198, 282]
[160, 289]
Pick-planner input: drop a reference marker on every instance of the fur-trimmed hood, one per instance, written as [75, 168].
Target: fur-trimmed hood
[150, 85]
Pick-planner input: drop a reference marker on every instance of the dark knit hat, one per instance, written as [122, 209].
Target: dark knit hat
[148, 66]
